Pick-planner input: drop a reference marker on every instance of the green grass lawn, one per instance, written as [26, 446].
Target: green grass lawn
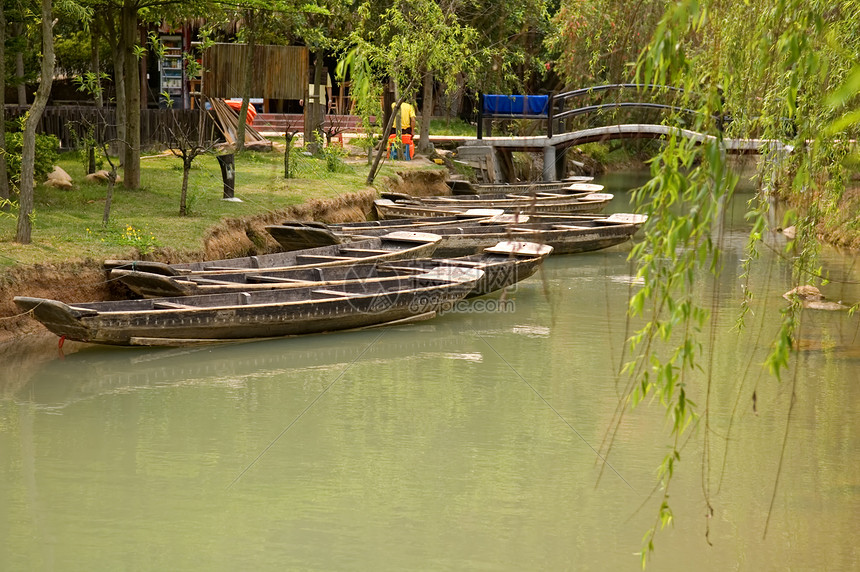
[456, 127]
[68, 224]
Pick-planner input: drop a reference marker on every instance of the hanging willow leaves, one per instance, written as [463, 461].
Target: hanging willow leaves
[782, 72]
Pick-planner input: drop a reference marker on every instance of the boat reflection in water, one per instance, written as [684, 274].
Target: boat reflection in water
[94, 371]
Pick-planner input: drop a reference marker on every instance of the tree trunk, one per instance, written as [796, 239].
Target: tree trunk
[289, 147]
[317, 107]
[4, 179]
[95, 62]
[19, 69]
[382, 144]
[114, 39]
[109, 198]
[183, 195]
[426, 114]
[28, 151]
[247, 84]
[97, 95]
[456, 100]
[129, 33]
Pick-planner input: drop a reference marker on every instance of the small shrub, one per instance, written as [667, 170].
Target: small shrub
[597, 151]
[47, 153]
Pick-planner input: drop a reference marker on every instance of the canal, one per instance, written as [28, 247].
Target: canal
[469, 442]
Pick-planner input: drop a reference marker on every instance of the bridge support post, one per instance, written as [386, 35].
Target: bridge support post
[549, 163]
[561, 164]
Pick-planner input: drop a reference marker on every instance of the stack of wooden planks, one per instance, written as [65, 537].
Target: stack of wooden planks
[228, 121]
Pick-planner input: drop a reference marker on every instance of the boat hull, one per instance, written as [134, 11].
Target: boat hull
[388, 209]
[265, 314]
[565, 235]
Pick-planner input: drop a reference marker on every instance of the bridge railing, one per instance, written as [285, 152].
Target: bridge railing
[556, 111]
[512, 107]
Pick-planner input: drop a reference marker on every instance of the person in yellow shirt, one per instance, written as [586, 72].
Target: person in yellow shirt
[407, 118]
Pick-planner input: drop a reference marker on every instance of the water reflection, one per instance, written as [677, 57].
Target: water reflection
[466, 442]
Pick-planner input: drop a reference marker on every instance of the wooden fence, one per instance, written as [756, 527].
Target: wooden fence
[158, 127]
[280, 72]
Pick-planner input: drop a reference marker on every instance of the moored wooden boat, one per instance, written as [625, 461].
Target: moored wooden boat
[387, 246]
[567, 234]
[467, 188]
[297, 235]
[541, 203]
[503, 264]
[259, 314]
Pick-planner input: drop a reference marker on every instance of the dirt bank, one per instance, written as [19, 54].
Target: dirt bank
[85, 280]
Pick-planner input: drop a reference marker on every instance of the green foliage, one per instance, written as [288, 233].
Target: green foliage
[594, 42]
[410, 38]
[597, 151]
[73, 52]
[455, 127]
[519, 26]
[47, 152]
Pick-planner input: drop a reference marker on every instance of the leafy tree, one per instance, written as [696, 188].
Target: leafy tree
[119, 20]
[509, 53]
[595, 42]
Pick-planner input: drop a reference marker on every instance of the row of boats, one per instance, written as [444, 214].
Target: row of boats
[341, 277]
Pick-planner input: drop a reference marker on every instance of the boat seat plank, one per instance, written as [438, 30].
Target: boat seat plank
[171, 306]
[398, 268]
[365, 250]
[571, 227]
[211, 281]
[320, 257]
[275, 279]
[336, 293]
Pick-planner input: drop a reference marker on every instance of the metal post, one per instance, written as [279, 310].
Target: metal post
[550, 114]
[480, 115]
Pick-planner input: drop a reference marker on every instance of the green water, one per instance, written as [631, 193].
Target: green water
[463, 443]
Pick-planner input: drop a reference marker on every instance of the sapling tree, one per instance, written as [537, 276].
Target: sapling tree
[289, 134]
[185, 140]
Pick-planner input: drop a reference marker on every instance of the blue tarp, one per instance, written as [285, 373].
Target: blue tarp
[516, 104]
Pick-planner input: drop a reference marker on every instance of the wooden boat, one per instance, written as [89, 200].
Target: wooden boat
[567, 234]
[574, 190]
[297, 235]
[503, 264]
[258, 314]
[387, 246]
[541, 203]
[467, 188]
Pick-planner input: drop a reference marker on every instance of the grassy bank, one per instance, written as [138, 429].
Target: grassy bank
[68, 223]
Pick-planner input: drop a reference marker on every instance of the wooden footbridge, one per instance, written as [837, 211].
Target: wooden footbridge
[492, 155]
